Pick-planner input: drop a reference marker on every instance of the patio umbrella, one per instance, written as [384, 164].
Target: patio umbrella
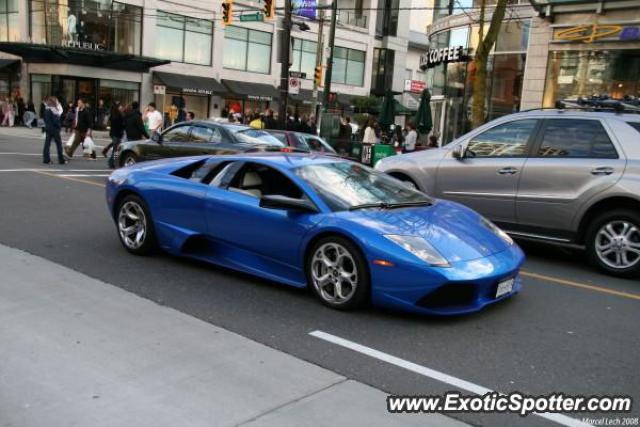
[387, 110]
[422, 119]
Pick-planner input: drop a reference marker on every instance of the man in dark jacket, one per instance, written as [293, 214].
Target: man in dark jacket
[84, 123]
[52, 127]
[133, 125]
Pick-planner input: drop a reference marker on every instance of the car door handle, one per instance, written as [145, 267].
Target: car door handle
[603, 170]
[508, 171]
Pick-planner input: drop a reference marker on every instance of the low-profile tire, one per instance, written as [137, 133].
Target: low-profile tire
[613, 242]
[334, 260]
[128, 159]
[134, 225]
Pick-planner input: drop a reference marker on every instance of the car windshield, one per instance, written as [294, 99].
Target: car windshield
[348, 186]
[247, 138]
[316, 144]
[262, 136]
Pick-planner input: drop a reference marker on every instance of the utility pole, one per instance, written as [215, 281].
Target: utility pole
[329, 69]
[285, 47]
[318, 62]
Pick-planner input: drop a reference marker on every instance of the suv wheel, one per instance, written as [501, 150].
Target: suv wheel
[613, 242]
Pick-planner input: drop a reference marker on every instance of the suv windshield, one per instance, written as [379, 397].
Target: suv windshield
[348, 186]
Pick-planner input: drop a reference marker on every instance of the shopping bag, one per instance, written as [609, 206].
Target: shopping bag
[69, 141]
[88, 146]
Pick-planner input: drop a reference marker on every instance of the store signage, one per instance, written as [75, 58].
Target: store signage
[415, 86]
[159, 89]
[298, 74]
[294, 85]
[197, 91]
[82, 45]
[443, 55]
[260, 97]
[590, 33]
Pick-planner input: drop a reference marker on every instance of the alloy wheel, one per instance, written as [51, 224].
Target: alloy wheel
[130, 161]
[334, 273]
[617, 244]
[132, 225]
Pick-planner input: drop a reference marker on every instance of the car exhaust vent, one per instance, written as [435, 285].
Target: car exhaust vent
[450, 295]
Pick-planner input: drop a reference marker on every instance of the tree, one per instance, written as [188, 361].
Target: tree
[481, 58]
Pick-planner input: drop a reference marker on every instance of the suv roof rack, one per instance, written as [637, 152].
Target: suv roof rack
[597, 104]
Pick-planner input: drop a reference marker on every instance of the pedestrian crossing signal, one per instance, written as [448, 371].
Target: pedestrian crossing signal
[227, 10]
[268, 8]
[317, 76]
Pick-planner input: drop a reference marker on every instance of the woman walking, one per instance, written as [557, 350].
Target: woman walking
[52, 126]
[116, 117]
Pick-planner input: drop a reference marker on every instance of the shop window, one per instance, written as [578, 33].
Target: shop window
[348, 66]
[304, 57]
[9, 25]
[124, 93]
[576, 138]
[513, 36]
[183, 39]
[247, 50]
[506, 77]
[126, 29]
[574, 74]
[382, 73]
[40, 88]
[505, 140]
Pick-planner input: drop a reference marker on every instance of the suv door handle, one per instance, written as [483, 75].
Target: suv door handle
[508, 171]
[603, 170]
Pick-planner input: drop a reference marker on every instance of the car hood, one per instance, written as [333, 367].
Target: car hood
[454, 230]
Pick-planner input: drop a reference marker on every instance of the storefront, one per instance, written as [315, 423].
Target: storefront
[9, 78]
[247, 97]
[593, 60]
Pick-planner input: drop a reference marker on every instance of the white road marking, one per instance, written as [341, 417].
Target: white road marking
[21, 154]
[432, 373]
[55, 170]
[80, 174]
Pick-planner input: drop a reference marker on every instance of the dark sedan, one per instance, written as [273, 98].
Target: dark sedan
[194, 138]
[296, 141]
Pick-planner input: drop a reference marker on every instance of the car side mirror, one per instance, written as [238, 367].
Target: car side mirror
[458, 152]
[156, 137]
[275, 201]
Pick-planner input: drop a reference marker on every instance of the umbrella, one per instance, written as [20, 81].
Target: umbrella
[422, 119]
[387, 110]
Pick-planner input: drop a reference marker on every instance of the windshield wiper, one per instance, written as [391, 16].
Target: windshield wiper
[382, 205]
[403, 204]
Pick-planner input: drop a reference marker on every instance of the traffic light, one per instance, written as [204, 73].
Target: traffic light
[268, 8]
[317, 76]
[227, 12]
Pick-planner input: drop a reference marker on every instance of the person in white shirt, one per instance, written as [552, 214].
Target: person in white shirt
[370, 133]
[409, 144]
[154, 119]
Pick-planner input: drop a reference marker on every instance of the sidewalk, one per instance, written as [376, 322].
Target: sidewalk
[77, 351]
[36, 133]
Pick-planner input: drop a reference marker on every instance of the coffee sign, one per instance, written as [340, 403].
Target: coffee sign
[445, 55]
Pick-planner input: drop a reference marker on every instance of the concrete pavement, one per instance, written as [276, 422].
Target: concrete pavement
[78, 351]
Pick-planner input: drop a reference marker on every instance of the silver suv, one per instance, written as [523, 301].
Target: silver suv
[562, 176]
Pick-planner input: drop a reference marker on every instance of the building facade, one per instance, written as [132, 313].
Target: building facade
[179, 54]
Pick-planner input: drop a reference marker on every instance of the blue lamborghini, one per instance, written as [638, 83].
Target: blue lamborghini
[348, 232]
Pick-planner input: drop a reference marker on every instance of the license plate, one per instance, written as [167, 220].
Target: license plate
[505, 287]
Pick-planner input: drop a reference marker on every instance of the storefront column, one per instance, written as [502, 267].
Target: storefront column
[216, 105]
[536, 64]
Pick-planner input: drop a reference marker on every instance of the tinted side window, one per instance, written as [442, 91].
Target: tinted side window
[505, 140]
[576, 138]
[201, 134]
[178, 134]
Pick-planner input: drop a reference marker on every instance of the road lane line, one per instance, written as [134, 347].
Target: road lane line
[55, 170]
[566, 282]
[21, 154]
[71, 178]
[82, 174]
[433, 374]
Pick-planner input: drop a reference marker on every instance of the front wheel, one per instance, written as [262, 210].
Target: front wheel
[613, 242]
[129, 159]
[135, 228]
[337, 273]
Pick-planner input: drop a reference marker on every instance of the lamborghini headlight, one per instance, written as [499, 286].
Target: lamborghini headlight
[420, 248]
[497, 231]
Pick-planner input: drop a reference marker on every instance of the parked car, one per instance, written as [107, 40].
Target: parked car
[349, 233]
[194, 138]
[298, 141]
[560, 176]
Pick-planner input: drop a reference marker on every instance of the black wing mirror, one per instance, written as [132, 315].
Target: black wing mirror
[156, 137]
[275, 201]
[459, 152]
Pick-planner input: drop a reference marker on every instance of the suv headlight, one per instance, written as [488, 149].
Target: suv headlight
[420, 248]
[497, 231]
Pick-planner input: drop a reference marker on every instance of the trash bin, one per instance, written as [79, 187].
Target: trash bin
[366, 153]
[380, 151]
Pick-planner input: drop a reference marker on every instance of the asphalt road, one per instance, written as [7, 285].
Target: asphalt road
[570, 330]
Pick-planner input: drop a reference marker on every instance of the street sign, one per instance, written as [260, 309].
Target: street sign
[252, 17]
[298, 74]
[294, 85]
[159, 89]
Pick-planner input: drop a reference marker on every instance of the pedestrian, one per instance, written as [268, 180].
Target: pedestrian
[8, 113]
[191, 116]
[82, 128]
[398, 138]
[154, 119]
[269, 121]
[20, 109]
[370, 132]
[116, 132]
[30, 115]
[256, 122]
[52, 126]
[101, 112]
[133, 125]
[433, 141]
[409, 144]
[344, 136]
[69, 118]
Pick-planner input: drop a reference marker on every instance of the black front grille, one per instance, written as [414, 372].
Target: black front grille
[450, 295]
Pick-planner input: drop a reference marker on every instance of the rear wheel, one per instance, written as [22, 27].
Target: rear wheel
[613, 242]
[337, 273]
[135, 228]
